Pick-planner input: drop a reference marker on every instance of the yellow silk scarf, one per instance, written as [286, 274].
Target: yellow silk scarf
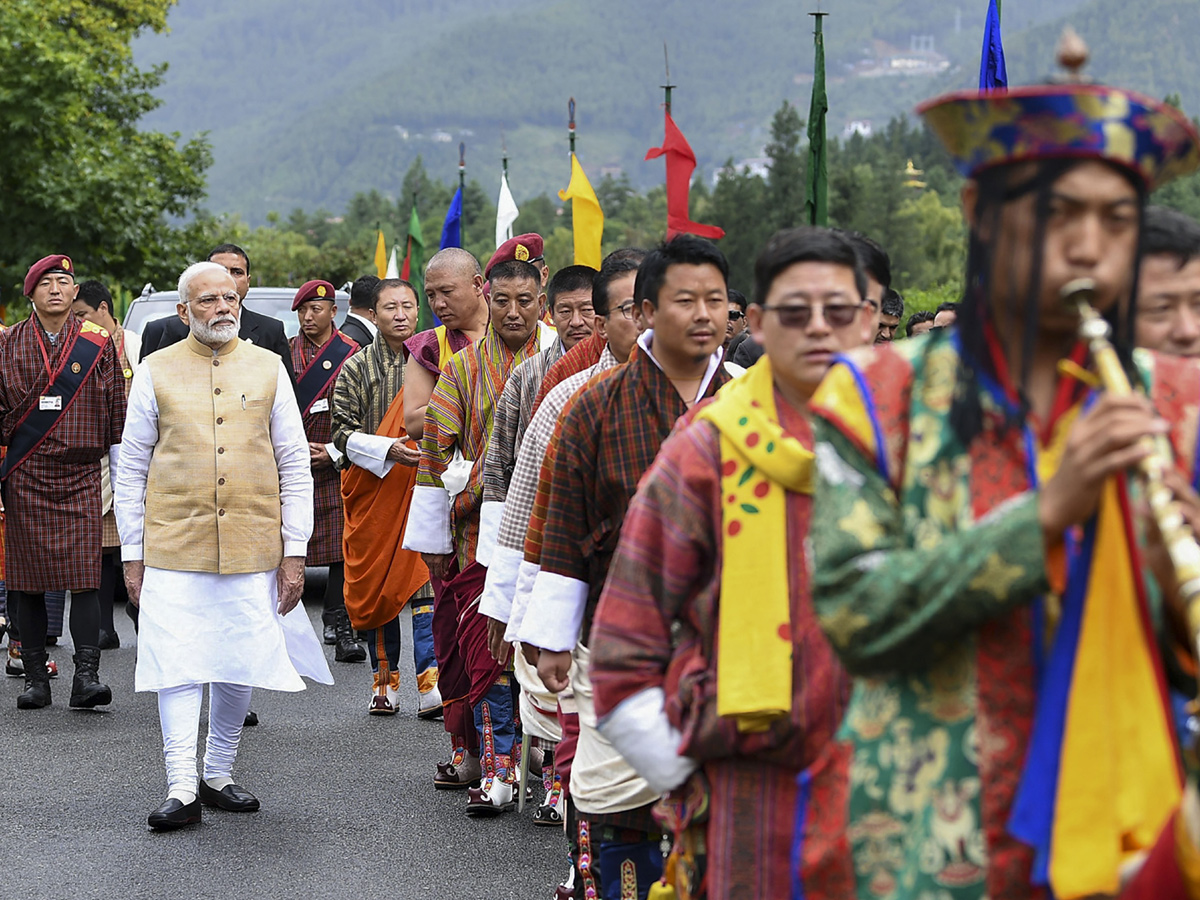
[760, 463]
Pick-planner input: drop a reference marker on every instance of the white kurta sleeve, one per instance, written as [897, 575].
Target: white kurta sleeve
[295, 473]
[131, 465]
[369, 451]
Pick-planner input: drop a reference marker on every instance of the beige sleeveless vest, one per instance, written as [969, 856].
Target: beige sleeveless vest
[212, 496]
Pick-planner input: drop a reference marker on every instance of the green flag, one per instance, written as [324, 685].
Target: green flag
[414, 262]
[816, 191]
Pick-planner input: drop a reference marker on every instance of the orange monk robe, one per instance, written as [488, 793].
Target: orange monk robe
[380, 576]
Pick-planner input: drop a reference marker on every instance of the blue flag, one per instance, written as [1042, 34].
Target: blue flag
[452, 229]
[993, 75]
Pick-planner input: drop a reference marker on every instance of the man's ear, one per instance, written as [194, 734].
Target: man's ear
[181, 310]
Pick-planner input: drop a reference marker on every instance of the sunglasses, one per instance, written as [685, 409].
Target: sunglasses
[736, 316]
[837, 315]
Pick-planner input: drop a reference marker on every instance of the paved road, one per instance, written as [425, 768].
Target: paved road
[348, 803]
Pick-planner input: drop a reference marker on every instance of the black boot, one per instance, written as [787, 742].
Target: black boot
[37, 680]
[346, 649]
[86, 689]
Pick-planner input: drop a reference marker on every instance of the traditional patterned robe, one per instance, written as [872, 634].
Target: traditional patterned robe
[656, 627]
[928, 558]
[325, 546]
[53, 502]
[365, 388]
[127, 345]
[582, 356]
[459, 418]
[423, 346]
[609, 439]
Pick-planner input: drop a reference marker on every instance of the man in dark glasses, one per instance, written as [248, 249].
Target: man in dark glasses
[737, 317]
[710, 583]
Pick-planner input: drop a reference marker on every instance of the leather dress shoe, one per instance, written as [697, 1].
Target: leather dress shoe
[230, 798]
[175, 814]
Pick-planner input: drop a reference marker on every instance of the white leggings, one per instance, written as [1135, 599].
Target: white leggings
[179, 715]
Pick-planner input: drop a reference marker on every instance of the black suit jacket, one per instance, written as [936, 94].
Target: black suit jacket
[262, 331]
[355, 330]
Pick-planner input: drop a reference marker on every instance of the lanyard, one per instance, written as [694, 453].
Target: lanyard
[51, 373]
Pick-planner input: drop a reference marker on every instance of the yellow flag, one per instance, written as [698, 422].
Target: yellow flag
[586, 215]
[381, 258]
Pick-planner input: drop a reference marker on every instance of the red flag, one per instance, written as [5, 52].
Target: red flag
[681, 162]
[406, 269]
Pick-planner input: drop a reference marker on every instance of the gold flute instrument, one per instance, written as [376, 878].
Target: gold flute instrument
[1176, 533]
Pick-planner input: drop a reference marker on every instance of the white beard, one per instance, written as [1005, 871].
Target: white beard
[219, 333]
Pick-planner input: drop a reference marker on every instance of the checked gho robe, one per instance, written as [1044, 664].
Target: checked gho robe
[929, 562]
[657, 627]
[325, 545]
[53, 499]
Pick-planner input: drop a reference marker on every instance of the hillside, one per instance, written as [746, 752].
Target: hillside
[310, 101]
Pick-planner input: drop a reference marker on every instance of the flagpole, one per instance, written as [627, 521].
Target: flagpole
[816, 193]
[571, 124]
[668, 86]
[462, 189]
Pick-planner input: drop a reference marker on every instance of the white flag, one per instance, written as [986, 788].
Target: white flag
[506, 212]
[393, 270]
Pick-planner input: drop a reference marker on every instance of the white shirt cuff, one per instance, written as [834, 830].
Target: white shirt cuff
[641, 732]
[501, 583]
[428, 529]
[490, 514]
[369, 451]
[527, 574]
[555, 613]
[295, 548]
[131, 552]
[334, 453]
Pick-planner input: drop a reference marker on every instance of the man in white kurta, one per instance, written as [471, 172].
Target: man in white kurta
[214, 505]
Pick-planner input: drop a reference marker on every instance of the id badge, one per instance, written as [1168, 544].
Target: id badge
[52, 403]
[321, 405]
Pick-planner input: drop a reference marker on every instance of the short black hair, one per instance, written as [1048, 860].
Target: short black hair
[921, 315]
[230, 248]
[809, 243]
[385, 284]
[682, 250]
[93, 293]
[1167, 232]
[875, 259]
[362, 292]
[616, 264]
[949, 306]
[893, 304]
[737, 297]
[569, 280]
[514, 269]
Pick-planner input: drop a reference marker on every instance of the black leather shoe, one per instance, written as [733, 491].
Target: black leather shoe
[174, 814]
[251, 719]
[230, 798]
[109, 640]
[330, 633]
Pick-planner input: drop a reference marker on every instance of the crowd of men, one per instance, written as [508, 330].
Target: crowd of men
[778, 605]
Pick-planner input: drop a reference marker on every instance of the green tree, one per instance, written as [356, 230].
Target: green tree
[739, 205]
[76, 174]
[786, 180]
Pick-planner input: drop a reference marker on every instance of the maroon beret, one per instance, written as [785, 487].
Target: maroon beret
[55, 261]
[525, 247]
[314, 290]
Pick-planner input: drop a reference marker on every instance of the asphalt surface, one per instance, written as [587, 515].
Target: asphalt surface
[348, 805]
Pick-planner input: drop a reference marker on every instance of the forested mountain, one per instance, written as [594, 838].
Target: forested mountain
[309, 101]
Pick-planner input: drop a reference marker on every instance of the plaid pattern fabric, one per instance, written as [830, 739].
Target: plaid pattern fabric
[365, 388]
[460, 416]
[325, 545]
[523, 487]
[52, 523]
[424, 347]
[513, 412]
[609, 439]
[582, 356]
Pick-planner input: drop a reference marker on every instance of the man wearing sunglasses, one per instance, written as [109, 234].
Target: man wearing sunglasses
[737, 317]
[710, 583]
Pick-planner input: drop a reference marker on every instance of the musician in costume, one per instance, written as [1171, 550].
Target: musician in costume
[979, 567]
[62, 409]
[444, 524]
[377, 484]
[214, 500]
[318, 352]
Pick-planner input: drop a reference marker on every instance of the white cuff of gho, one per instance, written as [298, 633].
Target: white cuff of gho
[428, 529]
[555, 613]
[640, 731]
